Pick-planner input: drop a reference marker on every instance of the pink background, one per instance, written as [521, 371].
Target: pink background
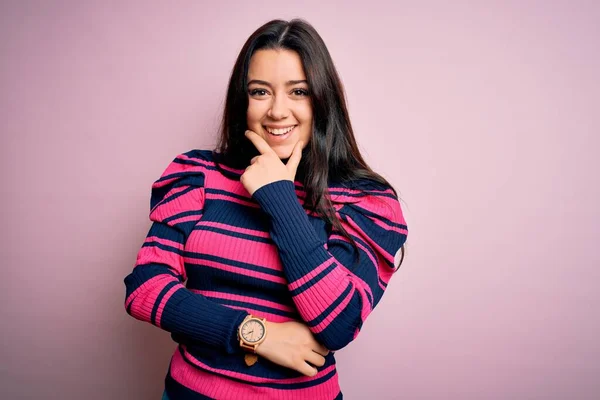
[485, 116]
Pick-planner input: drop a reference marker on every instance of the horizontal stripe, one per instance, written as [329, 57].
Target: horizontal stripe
[238, 235]
[245, 299]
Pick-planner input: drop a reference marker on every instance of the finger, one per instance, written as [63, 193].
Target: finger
[294, 160]
[315, 359]
[319, 348]
[307, 370]
[254, 159]
[261, 145]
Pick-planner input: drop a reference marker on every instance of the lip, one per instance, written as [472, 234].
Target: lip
[279, 127]
[280, 138]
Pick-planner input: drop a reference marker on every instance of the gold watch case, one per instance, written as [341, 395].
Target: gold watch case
[252, 332]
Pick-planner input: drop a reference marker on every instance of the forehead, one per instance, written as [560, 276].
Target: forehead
[276, 66]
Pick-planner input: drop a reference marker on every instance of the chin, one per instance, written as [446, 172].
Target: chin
[284, 153]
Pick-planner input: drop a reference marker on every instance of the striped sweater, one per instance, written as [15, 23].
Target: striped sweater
[214, 254]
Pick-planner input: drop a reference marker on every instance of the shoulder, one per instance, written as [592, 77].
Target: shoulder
[186, 165]
[187, 169]
[368, 199]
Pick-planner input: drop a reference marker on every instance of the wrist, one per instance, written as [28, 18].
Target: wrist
[252, 332]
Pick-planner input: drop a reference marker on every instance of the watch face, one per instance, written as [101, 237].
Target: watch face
[253, 331]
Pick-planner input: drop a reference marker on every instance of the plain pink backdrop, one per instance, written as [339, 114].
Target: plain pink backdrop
[484, 115]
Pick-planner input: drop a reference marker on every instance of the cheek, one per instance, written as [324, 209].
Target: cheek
[255, 113]
[305, 113]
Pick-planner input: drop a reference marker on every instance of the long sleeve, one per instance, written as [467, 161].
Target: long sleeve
[333, 293]
[154, 290]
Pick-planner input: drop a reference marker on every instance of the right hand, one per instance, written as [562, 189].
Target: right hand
[292, 345]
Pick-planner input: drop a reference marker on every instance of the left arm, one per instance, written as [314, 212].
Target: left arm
[333, 294]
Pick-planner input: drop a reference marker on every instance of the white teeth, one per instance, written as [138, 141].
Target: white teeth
[280, 131]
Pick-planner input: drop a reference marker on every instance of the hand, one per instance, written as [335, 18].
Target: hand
[292, 345]
[268, 167]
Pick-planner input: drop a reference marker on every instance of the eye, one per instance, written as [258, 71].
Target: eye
[300, 92]
[257, 92]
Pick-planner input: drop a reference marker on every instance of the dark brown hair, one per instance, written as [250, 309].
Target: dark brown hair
[332, 154]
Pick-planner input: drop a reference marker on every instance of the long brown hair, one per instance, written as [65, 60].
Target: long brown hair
[332, 154]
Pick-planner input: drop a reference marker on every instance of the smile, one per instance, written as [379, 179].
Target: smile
[280, 131]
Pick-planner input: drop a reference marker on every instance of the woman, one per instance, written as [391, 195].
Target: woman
[286, 238]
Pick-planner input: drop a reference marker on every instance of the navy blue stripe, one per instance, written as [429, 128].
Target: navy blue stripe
[175, 175]
[234, 281]
[226, 261]
[142, 273]
[313, 281]
[370, 298]
[229, 194]
[159, 299]
[274, 385]
[216, 280]
[178, 194]
[165, 231]
[358, 240]
[301, 385]
[163, 247]
[362, 194]
[196, 163]
[332, 307]
[233, 234]
[183, 214]
[376, 216]
[176, 390]
[254, 306]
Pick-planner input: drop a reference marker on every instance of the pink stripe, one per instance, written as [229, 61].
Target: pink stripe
[176, 167]
[368, 251]
[142, 299]
[337, 311]
[355, 278]
[236, 229]
[246, 251]
[218, 180]
[213, 196]
[263, 314]
[164, 301]
[170, 193]
[192, 200]
[385, 274]
[242, 376]
[148, 255]
[226, 168]
[166, 242]
[312, 302]
[378, 249]
[185, 219]
[245, 299]
[369, 254]
[237, 270]
[390, 227]
[198, 160]
[299, 282]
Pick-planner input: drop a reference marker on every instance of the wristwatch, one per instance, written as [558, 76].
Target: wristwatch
[252, 332]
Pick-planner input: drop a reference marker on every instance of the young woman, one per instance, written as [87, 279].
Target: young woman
[284, 237]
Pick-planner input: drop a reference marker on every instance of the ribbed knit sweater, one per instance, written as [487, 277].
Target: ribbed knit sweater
[214, 254]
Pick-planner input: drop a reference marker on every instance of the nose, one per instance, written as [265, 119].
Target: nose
[279, 108]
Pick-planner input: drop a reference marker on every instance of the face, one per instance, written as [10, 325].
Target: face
[279, 107]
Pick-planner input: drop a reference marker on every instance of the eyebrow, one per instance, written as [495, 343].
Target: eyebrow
[288, 83]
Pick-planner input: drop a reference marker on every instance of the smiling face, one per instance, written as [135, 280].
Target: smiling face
[279, 106]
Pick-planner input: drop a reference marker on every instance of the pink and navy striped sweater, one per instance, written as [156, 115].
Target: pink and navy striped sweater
[214, 254]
